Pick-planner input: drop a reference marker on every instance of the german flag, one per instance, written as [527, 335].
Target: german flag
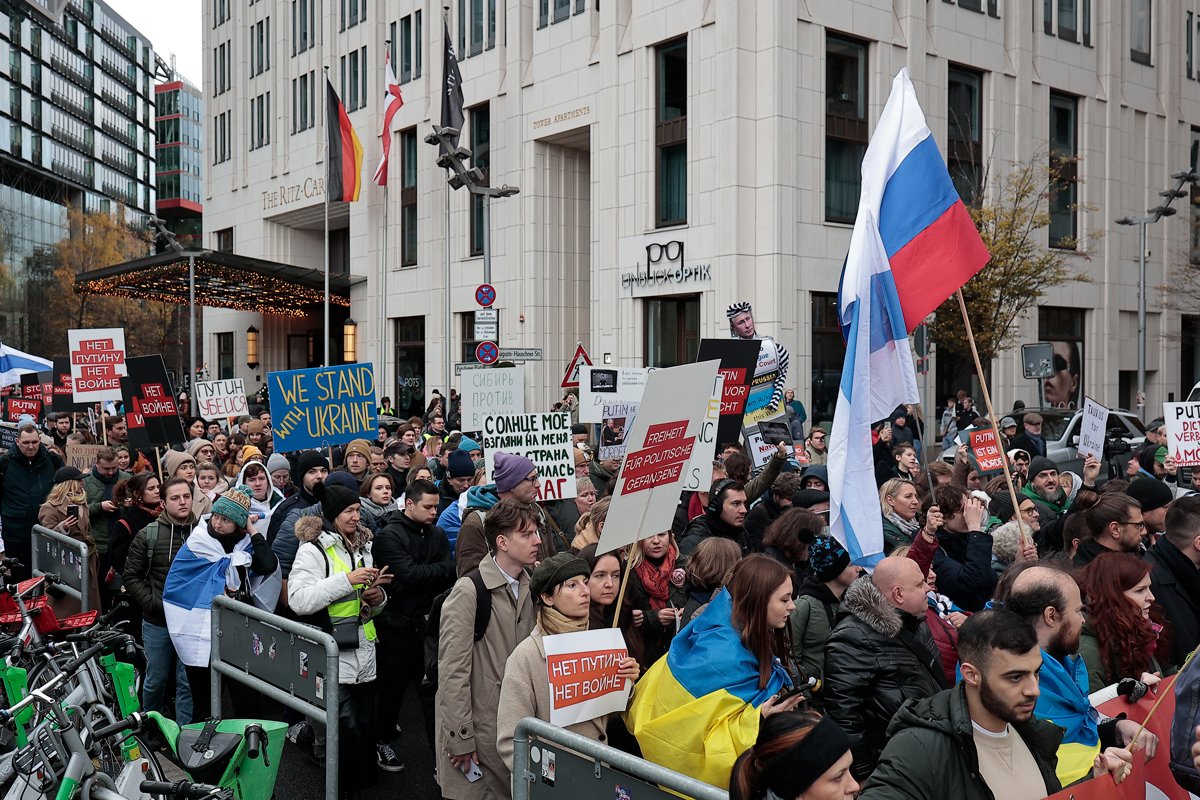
[345, 154]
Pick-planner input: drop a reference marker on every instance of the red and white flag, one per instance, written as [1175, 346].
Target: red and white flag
[391, 104]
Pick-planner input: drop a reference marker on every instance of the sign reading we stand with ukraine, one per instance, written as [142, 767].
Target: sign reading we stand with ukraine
[322, 406]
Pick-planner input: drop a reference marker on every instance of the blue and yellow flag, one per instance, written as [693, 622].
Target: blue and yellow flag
[1064, 701]
[696, 710]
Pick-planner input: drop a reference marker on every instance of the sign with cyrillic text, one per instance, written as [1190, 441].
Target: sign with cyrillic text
[545, 439]
[219, 399]
[150, 409]
[499, 390]
[97, 363]
[322, 406]
[582, 670]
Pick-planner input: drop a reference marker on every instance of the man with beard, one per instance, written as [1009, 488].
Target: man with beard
[724, 516]
[1116, 524]
[1049, 599]
[1045, 490]
[981, 738]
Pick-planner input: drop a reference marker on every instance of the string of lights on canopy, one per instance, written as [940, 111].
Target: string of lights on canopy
[222, 280]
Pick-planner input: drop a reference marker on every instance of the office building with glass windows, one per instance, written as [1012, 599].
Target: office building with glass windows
[76, 131]
[179, 163]
[676, 157]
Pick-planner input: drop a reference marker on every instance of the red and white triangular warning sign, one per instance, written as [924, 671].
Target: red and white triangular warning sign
[580, 359]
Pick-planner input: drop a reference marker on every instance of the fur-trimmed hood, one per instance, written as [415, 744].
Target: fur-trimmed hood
[865, 602]
[310, 527]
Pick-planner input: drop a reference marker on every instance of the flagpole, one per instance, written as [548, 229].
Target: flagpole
[987, 399]
[383, 268]
[449, 319]
[326, 356]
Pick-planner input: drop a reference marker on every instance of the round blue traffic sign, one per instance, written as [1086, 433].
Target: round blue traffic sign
[485, 294]
[487, 353]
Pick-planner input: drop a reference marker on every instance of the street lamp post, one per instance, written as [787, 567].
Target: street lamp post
[1153, 215]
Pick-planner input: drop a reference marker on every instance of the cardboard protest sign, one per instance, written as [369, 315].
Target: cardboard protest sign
[83, 456]
[600, 386]
[762, 440]
[697, 476]
[150, 409]
[738, 358]
[15, 407]
[582, 670]
[322, 406]
[61, 387]
[618, 417]
[97, 363]
[8, 436]
[545, 439]
[491, 391]
[1092, 429]
[219, 399]
[1183, 432]
[660, 443]
[986, 460]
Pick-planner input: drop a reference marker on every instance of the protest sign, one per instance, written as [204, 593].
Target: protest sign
[1092, 429]
[599, 386]
[660, 443]
[983, 454]
[762, 440]
[1183, 432]
[8, 436]
[150, 410]
[15, 407]
[83, 456]
[545, 439]
[582, 670]
[491, 391]
[618, 417]
[220, 399]
[697, 476]
[35, 386]
[738, 359]
[61, 394]
[97, 363]
[322, 406]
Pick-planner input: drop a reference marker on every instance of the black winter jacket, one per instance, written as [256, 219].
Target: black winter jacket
[758, 520]
[931, 753]
[26, 485]
[706, 525]
[146, 572]
[875, 659]
[1175, 582]
[420, 561]
[963, 562]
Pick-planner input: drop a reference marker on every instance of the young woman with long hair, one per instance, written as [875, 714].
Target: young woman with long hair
[604, 583]
[66, 511]
[138, 504]
[377, 500]
[1121, 634]
[798, 756]
[656, 596]
[699, 718]
[900, 504]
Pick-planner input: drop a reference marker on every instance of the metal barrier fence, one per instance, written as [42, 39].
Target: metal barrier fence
[58, 554]
[272, 655]
[589, 770]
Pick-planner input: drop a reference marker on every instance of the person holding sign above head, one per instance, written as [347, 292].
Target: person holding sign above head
[699, 719]
[560, 587]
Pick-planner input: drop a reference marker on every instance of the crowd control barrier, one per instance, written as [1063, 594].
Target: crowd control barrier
[57, 554]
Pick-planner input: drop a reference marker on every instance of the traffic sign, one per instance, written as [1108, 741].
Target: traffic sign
[487, 353]
[581, 358]
[485, 294]
[521, 353]
[464, 366]
[487, 324]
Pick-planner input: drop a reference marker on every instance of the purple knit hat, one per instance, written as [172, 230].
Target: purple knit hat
[510, 470]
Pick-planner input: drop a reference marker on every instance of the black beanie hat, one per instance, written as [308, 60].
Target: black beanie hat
[334, 499]
[306, 461]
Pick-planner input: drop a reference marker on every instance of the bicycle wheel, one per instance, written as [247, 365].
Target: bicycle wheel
[112, 759]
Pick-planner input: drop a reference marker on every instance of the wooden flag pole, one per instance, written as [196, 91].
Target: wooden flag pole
[1163, 690]
[987, 399]
[158, 463]
[621, 595]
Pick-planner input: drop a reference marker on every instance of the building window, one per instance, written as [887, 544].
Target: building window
[224, 356]
[481, 157]
[408, 198]
[410, 366]
[1064, 157]
[221, 137]
[223, 240]
[260, 46]
[406, 49]
[672, 330]
[1068, 20]
[303, 25]
[562, 10]
[476, 42]
[304, 102]
[543, 13]
[353, 12]
[845, 125]
[1071, 19]
[1140, 21]
[260, 121]
[670, 134]
[354, 79]
[1195, 198]
[964, 131]
[220, 12]
[1188, 37]
[1064, 329]
[418, 44]
[828, 353]
[222, 67]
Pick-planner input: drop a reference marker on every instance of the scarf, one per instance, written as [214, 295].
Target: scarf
[553, 622]
[376, 510]
[909, 528]
[1059, 507]
[657, 578]
[1064, 701]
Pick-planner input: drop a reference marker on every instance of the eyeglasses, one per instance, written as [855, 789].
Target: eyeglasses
[1139, 524]
[532, 478]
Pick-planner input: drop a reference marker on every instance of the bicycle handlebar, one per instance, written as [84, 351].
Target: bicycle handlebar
[68, 669]
[183, 790]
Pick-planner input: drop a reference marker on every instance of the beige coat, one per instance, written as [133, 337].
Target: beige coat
[526, 693]
[53, 517]
[469, 678]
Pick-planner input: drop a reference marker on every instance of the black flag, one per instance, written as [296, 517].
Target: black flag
[452, 95]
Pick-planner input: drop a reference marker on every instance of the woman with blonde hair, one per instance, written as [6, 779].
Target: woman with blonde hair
[587, 530]
[66, 511]
[900, 504]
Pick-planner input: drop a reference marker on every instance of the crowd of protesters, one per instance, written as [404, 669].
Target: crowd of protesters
[762, 659]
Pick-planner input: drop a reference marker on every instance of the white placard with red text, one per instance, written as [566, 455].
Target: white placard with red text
[97, 363]
[545, 439]
[582, 670]
[1183, 432]
[220, 399]
[659, 447]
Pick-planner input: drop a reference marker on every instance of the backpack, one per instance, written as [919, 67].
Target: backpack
[483, 618]
[1183, 726]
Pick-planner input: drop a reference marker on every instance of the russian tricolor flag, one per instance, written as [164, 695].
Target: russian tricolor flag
[913, 245]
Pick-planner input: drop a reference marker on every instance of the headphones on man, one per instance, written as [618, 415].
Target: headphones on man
[714, 494]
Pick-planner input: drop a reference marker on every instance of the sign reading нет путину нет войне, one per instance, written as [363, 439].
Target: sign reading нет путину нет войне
[322, 406]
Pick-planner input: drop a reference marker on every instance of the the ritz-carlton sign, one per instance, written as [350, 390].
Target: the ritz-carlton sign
[286, 195]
